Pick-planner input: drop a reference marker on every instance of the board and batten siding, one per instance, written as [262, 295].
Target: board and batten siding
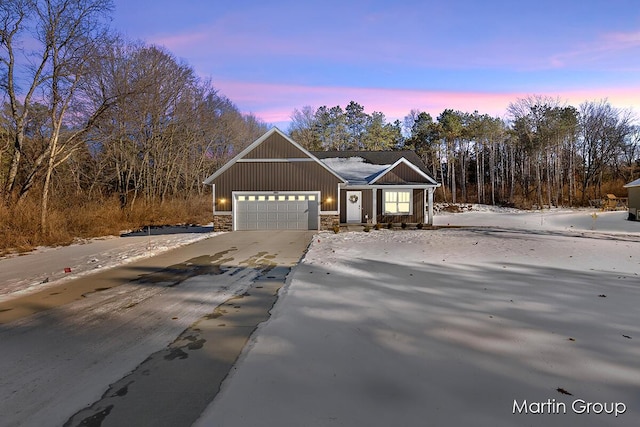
[267, 176]
[401, 174]
[276, 147]
[634, 197]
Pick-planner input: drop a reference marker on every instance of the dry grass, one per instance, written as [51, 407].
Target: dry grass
[20, 226]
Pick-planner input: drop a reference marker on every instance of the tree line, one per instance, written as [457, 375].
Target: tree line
[544, 153]
[86, 114]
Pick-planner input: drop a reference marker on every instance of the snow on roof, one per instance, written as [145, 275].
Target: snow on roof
[354, 169]
[635, 183]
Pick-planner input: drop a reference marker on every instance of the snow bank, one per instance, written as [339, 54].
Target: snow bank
[34, 271]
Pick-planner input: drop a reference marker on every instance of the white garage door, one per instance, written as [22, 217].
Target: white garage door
[276, 211]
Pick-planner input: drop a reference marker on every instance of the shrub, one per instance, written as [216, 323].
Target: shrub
[389, 225]
[70, 218]
[378, 226]
[420, 225]
[336, 228]
[366, 228]
[403, 225]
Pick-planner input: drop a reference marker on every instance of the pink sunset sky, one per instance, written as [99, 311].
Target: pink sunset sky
[270, 58]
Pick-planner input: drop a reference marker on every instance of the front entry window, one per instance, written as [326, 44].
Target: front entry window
[397, 202]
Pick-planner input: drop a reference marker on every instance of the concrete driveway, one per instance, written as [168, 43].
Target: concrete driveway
[147, 343]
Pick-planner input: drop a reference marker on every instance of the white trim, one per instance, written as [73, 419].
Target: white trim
[395, 189]
[430, 206]
[408, 163]
[632, 184]
[425, 206]
[374, 204]
[259, 141]
[213, 198]
[222, 213]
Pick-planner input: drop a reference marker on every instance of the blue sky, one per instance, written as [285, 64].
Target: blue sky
[270, 57]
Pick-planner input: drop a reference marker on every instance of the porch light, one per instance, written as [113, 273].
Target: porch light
[223, 201]
[329, 200]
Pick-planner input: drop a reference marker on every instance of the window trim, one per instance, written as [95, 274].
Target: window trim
[384, 201]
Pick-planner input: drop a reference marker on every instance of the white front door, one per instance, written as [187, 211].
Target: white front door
[354, 206]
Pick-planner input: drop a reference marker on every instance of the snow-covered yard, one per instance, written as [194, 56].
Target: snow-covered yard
[528, 312]
[455, 326]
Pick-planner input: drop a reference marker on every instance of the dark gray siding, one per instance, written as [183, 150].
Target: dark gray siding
[634, 197]
[275, 147]
[401, 174]
[418, 209]
[277, 176]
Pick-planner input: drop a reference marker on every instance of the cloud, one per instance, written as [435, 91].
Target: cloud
[611, 50]
[274, 103]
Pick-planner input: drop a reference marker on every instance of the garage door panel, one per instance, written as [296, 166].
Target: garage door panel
[276, 212]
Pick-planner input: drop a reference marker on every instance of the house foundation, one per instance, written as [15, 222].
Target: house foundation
[222, 223]
[328, 221]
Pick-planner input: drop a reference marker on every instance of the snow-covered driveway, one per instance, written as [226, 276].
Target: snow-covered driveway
[56, 362]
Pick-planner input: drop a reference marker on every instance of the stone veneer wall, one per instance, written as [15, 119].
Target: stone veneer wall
[328, 221]
[222, 223]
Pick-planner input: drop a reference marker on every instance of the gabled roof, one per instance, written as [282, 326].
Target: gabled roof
[408, 163]
[376, 157]
[259, 141]
[635, 183]
[367, 167]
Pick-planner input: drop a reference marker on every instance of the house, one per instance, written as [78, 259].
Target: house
[277, 184]
[634, 200]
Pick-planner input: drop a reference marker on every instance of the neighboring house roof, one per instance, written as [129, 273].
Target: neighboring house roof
[368, 167]
[635, 183]
[259, 141]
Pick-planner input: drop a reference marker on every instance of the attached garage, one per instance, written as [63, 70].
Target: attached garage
[276, 211]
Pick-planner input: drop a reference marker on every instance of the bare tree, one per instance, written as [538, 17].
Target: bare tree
[65, 35]
[303, 128]
[603, 133]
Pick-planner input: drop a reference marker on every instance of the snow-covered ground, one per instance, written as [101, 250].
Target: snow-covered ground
[557, 219]
[453, 326]
[456, 326]
[44, 267]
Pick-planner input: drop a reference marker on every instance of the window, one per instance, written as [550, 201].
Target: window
[397, 202]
